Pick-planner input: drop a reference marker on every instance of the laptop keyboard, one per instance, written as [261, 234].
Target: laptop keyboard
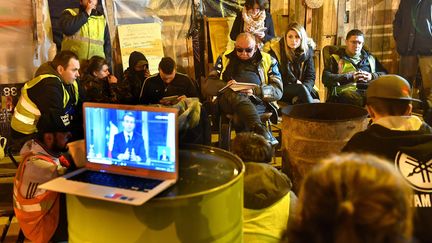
[114, 180]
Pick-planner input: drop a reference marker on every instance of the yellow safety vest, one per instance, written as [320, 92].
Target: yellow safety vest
[89, 40]
[265, 62]
[26, 113]
[346, 67]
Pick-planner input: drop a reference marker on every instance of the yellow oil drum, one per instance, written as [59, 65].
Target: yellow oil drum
[311, 132]
[205, 205]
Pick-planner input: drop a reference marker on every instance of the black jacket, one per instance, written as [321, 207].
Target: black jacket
[154, 88]
[302, 68]
[238, 24]
[412, 27]
[48, 97]
[409, 150]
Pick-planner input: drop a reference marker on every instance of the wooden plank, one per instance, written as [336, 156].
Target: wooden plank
[279, 11]
[340, 20]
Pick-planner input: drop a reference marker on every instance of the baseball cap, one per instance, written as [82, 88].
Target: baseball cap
[390, 87]
[47, 123]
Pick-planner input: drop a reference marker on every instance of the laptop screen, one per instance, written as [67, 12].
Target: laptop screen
[132, 136]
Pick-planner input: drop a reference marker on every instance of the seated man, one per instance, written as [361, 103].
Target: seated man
[402, 138]
[246, 63]
[171, 88]
[128, 144]
[41, 214]
[134, 76]
[168, 82]
[350, 70]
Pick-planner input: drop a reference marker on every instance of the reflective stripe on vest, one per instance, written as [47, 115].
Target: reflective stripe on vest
[346, 67]
[88, 41]
[38, 203]
[265, 63]
[26, 113]
[38, 217]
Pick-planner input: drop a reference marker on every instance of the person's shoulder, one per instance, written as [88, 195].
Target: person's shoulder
[183, 77]
[138, 137]
[153, 78]
[119, 134]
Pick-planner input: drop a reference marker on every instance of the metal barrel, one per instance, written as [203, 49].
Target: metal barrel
[205, 205]
[311, 132]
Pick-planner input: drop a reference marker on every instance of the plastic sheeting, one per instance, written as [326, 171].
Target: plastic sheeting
[25, 31]
[221, 8]
[174, 17]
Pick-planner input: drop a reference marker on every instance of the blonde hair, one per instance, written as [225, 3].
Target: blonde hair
[353, 198]
[300, 30]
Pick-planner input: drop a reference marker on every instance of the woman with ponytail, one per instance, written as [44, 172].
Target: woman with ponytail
[352, 198]
[98, 84]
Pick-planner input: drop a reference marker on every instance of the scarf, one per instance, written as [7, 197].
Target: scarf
[254, 25]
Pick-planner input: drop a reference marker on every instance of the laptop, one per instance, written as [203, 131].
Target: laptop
[131, 154]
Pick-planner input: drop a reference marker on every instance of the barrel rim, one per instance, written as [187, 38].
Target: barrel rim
[215, 189]
[285, 113]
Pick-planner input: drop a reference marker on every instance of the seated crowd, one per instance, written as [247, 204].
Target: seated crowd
[346, 198]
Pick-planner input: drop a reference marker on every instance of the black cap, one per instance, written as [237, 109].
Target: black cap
[48, 123]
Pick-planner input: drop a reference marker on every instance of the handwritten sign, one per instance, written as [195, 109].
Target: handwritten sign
[145, 38]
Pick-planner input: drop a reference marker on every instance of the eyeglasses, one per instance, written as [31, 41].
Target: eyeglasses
[248, 50]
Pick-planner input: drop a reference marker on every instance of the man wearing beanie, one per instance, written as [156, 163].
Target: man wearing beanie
[268, 199]
[403, 139]
[41, 214]
[134, 77]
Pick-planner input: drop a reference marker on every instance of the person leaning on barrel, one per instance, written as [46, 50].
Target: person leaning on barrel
[400, 137]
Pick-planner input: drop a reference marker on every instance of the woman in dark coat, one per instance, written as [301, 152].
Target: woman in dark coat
[294, 53]
[98, 84]
[256, 19]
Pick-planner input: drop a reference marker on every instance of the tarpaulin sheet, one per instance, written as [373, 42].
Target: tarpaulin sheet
[174, 17]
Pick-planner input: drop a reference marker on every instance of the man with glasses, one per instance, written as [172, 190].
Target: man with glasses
[350, 70]
[247, 64]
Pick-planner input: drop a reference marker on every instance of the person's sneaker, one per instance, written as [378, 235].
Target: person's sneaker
[262, 130]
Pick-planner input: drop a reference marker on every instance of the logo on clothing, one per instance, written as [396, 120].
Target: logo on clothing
[65, 119]
[417, 173]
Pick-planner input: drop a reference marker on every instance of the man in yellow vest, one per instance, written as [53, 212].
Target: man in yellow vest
[247, 64]
[350, 71]
[53, 92]
[41, 214]
[85, 31]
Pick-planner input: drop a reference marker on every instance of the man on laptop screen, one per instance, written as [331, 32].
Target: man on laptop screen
[128, 144]
[123, 163]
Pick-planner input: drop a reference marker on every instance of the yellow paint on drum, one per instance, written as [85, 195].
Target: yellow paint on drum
[204, 206]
